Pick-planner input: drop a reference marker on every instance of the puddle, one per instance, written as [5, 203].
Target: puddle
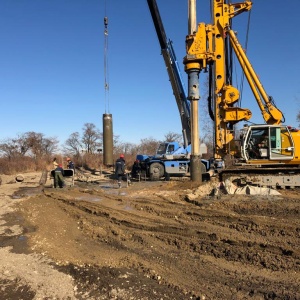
[18, 239]
[115, 192]
[19, 243]
[25, 192]
[17, 196]
[88, 198]
[106, 186]
[128, 208]
[101, 184]
[22, 238]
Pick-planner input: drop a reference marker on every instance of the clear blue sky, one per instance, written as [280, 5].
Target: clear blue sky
[52, 72]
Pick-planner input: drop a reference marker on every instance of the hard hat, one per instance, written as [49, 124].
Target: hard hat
[121, 155]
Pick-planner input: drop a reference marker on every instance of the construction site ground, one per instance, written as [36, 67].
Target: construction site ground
[150, 240]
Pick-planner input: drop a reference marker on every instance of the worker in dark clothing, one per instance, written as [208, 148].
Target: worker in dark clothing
[70, 164]
[136, 169]
[59, 177]
[120, 169]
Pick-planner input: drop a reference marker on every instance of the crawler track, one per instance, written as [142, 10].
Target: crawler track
[281, 177]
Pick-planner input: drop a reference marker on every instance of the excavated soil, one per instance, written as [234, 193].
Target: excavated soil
[150, 240]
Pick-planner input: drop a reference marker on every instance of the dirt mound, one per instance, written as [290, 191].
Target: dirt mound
[154, 240]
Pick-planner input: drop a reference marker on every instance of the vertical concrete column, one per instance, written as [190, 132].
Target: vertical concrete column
[108, 159]
[194, 96]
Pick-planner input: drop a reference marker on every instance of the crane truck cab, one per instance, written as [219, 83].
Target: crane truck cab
[172, 150]
[171, 160]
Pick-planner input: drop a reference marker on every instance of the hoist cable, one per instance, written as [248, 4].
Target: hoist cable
[106, 69]
[246, 47]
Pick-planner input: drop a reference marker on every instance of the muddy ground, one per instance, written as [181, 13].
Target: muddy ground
[150, 240]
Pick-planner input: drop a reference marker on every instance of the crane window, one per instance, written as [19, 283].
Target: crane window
[162, 149]
[269, 142]
[282, 146]
[170, 149]
[257, 143]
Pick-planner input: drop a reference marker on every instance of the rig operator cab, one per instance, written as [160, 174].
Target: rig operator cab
[268, 143]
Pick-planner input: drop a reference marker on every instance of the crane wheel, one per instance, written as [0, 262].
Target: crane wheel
[156, 171]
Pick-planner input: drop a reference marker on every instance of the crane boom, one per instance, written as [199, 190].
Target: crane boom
[271, 114]
[173, 72]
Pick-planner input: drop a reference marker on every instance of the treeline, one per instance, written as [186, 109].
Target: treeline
[33, 151]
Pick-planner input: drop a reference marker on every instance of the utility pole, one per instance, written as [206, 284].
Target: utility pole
[193, 70]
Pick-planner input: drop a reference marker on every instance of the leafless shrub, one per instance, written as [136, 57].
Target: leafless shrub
[20, 164]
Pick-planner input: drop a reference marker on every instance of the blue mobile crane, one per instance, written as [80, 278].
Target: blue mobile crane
[171, 159]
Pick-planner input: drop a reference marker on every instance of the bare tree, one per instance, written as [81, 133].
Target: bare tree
[31, 143]
[73, 144]
[92, 138]
[173, 137]
[298, 117]
[49, 145]
[39, 145]
[35, 140]
[148, 146]
[116, 141]
[9, 148]
[23, 143]
[128, 149]
[13, 147]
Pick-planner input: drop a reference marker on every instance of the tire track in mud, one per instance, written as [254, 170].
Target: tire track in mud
[246, 248]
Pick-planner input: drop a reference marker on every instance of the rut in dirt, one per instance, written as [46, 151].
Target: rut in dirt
[238, 246]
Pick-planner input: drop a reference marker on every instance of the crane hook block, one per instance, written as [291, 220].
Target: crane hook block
[105, 21]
